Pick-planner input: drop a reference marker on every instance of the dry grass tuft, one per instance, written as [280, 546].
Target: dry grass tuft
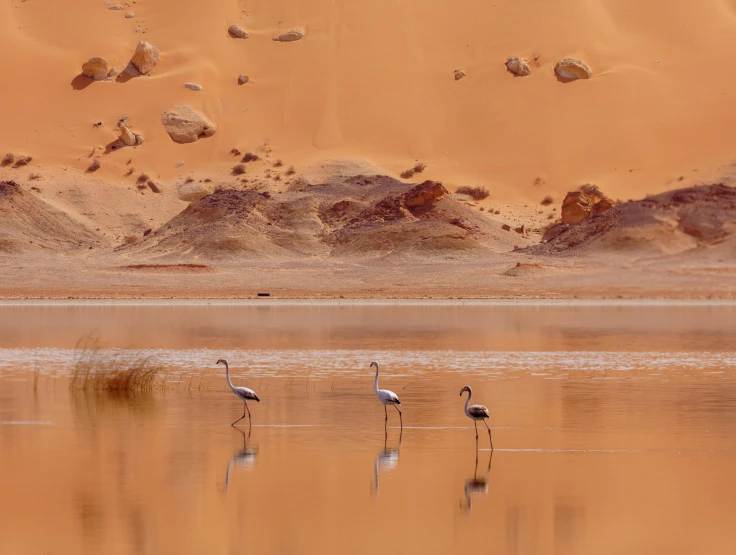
[407, 174]
[419, 167]
[189, 179]
[235, 152]
[143, 178]
[546, 201]
[22, 161]
[278, 164]
[94, 166]
[250, 157]
[238, 169]
[113, 372]
[477, 193]
[290, 171]
[34, 176]
[8, 159]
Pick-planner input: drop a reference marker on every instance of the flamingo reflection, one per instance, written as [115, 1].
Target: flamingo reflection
[476, 486]
[386, 459]
[243, 459]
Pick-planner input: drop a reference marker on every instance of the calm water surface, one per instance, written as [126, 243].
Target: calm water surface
[614, 428]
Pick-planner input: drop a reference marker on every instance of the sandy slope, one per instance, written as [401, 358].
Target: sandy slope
[374, 80]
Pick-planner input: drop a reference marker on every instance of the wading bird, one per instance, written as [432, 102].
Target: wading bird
[242, 393]
[387, 398]
[475, 413]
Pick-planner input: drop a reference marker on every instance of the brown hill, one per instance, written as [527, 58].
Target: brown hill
[28, 224]
[363, 216]
[702, 217]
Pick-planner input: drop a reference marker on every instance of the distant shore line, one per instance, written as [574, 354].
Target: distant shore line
[310, 301]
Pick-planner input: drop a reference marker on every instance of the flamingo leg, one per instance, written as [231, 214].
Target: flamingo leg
[246, 408]
[239, 419]
[386, 413]
[489, 434]
[401, 419]
[475, 422]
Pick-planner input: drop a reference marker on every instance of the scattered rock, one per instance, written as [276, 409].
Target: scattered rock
[242, 79]
[185, 125]
[570, 69]
[518, 66]
[129, 15]
[126, 135]
[506, 227]
[290, 36]
[425, 193]
[95, 68]
[237, 32]
[114, 7]
[341, 206]
[145, 58]
[459, 74]
[155, 188]
[190, 192]
[147, 232]
[193, 87]
[113, 72]
[583, 204]
[520, 229]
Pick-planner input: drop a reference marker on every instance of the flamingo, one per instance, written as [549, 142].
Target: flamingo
[475, 413]
[242, 393]
[387, 398]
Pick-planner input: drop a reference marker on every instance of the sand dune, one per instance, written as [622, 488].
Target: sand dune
[28, 225]
[328, 93]
[376, 81]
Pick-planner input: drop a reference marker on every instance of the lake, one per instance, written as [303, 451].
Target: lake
[614, 427]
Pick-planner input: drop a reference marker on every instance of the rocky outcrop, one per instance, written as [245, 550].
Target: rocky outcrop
[145, 58]
[424, 194]
[583, 204]
[571, 69]
[127, 136]
[290, 36]
[185, 125]
[189, 192]
[237, 32]
[518, 66]
[95, 68]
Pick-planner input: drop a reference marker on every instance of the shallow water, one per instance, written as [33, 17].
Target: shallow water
[614, 430]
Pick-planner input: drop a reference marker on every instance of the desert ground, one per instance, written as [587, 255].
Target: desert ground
[582, 148]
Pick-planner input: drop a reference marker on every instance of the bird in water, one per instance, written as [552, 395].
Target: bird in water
[243, 459]
[387, 398]
[242, 393]
[475, 413]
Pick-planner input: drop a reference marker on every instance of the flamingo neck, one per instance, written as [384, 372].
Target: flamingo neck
[375, 382]
[227, 375]
[467, 401]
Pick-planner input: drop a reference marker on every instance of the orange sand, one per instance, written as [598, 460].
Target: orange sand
[375, 81]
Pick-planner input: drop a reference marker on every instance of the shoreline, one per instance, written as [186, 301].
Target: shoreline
[491, 302]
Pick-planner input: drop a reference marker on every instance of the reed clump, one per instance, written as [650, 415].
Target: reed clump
[118, 372]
